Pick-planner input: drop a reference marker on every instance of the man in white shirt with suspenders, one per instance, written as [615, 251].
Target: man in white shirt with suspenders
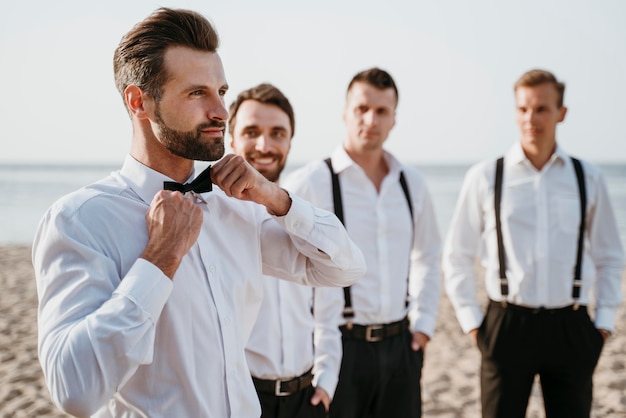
[389, 315]
[549, 240]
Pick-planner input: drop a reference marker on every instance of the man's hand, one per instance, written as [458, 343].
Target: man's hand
[474, 334]
[174, 223]
[320, 395]
[419, 341]
[238, 179]
[605, 334]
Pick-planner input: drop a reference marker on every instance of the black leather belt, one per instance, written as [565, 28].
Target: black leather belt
[283, 387]
[374, 333]
[539, 310]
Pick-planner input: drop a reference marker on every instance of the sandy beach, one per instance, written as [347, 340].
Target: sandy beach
[450, 382]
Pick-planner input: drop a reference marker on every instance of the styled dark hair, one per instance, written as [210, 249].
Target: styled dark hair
[263, 93]
[375, 77]
[139, 57]
[537, 77]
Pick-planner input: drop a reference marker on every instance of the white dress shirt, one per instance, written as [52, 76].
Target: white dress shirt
[117, 338]
[395, 246]
[282, 344]
[540, 217]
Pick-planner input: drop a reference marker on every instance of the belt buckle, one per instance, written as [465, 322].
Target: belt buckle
[277, 391]
[368, 333]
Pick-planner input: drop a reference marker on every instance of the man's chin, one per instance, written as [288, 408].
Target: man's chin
[270, 174]
[209, 153]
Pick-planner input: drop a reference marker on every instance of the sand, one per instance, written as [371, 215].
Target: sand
[450, 381]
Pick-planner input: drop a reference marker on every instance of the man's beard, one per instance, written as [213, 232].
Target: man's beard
[188, 144]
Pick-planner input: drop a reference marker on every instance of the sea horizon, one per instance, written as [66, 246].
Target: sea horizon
[30, 188]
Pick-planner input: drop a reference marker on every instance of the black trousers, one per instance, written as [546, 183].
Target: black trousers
[561, 346]
[295, 405]
[379, 379]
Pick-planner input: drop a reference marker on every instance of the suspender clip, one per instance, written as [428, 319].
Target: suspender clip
[349, 325]
[504, 304]
[348, 312]
[576, 306]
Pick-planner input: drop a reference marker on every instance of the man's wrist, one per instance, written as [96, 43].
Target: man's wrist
[605, 333]
[281, 205]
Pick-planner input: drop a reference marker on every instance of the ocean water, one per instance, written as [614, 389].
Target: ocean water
[28, 190]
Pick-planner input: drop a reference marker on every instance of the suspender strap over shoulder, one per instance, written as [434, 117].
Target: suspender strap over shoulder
[348, 311]
[336, 191]
[580, 178]
[504, 285]
[407, 194]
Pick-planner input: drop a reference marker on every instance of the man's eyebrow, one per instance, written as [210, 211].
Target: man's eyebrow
[203, 87]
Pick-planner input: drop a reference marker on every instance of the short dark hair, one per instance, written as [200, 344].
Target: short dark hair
[537, 77]
[263, 93]
[139, 57]
[375, 77]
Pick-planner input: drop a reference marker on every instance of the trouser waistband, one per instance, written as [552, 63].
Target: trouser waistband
[283, 387]
[537, 310]
[374, 333]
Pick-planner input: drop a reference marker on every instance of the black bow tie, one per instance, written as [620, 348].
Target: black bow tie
[200, 184]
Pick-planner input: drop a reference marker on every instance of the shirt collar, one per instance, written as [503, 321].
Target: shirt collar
[516, 155]
[341, 161]
[144, 181]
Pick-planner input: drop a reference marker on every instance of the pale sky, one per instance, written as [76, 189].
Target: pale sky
[454, 61]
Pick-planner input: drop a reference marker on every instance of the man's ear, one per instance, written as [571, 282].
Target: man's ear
[563, 113]
[137, 101]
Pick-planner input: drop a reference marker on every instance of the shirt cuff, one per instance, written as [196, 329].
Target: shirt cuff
[605, 319]
[147, 286]
[300, 218]
[470, 317]
[424, 324]
[326, 382]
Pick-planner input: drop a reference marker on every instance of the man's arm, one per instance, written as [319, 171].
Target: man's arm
[310, 246]
[327, 310]
[607, 253]
[460, 251]
[425, 261]
[95, 327]
[299, 242]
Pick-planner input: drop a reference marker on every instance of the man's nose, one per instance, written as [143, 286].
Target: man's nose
[369, 117]
[216, 109]
[262, 143]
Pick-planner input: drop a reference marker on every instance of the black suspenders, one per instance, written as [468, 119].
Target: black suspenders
[581, 228]
[504, 286]
[348, 311]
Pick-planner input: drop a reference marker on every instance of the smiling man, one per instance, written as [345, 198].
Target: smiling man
[261, 126]
[550, 245]
[294, 374]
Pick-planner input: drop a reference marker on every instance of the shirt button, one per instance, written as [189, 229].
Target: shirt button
[227, 321]
[212, 268]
